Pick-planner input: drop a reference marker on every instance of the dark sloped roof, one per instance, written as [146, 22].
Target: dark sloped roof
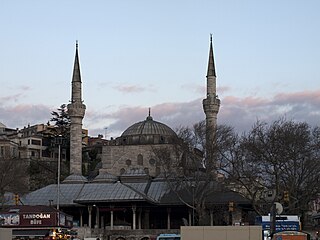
[43, 196]
[28, 209]
[154, 192]
[107, 192]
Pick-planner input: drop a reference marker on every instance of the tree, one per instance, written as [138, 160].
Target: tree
[282, 156]
[61, 134]
[12, 177]
[61, 120]
[261, 164]
[188, 173]
[43, 173]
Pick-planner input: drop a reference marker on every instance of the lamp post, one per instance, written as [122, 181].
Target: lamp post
[193, 187]
[58, 141]
[58, 184]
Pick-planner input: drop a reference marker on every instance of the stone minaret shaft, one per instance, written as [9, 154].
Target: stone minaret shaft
[76, 110]
[211, 104]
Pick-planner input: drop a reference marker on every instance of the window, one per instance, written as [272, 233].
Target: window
[128, 162]
[140, 159]
[35, 142]
[1, 151]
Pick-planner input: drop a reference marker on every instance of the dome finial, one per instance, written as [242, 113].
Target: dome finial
[149, 116]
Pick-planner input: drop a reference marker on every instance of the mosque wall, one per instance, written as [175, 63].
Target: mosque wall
[116, 160]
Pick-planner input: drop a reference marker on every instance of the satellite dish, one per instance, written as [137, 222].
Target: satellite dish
[279, 208]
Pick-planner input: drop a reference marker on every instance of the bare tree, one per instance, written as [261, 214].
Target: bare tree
[282, 156]
[187, 171]
[13, 177]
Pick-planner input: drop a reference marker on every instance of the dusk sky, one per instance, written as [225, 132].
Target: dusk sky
[136, 54]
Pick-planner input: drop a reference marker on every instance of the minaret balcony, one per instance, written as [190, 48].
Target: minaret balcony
[76, 109]
[211, 100]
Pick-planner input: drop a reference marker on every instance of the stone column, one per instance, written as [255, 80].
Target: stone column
[102, 221]
[111, 218]
[168, 218]
[97, 217]
[146, 219]
[90, 216]
[190, 217]
[139, 217]
[134, 208]
[211, 217]
[81, 218]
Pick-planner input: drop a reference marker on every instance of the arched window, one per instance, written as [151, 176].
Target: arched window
[128, 162]
[140, 159]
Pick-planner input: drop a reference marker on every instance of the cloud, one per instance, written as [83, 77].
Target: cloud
[22, 115]
[243, 112]
[11, 98]
[240, 113]
[24, 88]
[201, 89]
[132, 88]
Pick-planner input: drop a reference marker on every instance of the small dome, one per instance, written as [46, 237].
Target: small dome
[134, 175]
[148, 132]
[105, 177]
[75, 179]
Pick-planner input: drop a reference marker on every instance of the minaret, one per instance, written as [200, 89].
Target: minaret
[211, 104]
[76, 110]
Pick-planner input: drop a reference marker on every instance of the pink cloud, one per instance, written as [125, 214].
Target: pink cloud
[201, 89]
[241, 113]
[312, 97]
[129, 88]
[247, 101]
[21, 115]
[11, 98]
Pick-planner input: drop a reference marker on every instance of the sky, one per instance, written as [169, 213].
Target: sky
[141, 54]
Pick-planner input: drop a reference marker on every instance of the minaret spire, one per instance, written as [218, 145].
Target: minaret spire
[76, 79]
[211, 67]
[76, 111]
[211, 105]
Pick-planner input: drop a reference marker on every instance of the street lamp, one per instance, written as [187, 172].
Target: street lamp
[58, 141]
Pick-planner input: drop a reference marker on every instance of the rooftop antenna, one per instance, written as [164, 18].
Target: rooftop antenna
[105, 132]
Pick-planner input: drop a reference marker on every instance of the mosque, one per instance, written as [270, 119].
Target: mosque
[130, 192]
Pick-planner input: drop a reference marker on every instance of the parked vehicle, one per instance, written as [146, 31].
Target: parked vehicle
[290, 235]
[167, 236]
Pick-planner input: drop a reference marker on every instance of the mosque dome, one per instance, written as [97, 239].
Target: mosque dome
[147, 132]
